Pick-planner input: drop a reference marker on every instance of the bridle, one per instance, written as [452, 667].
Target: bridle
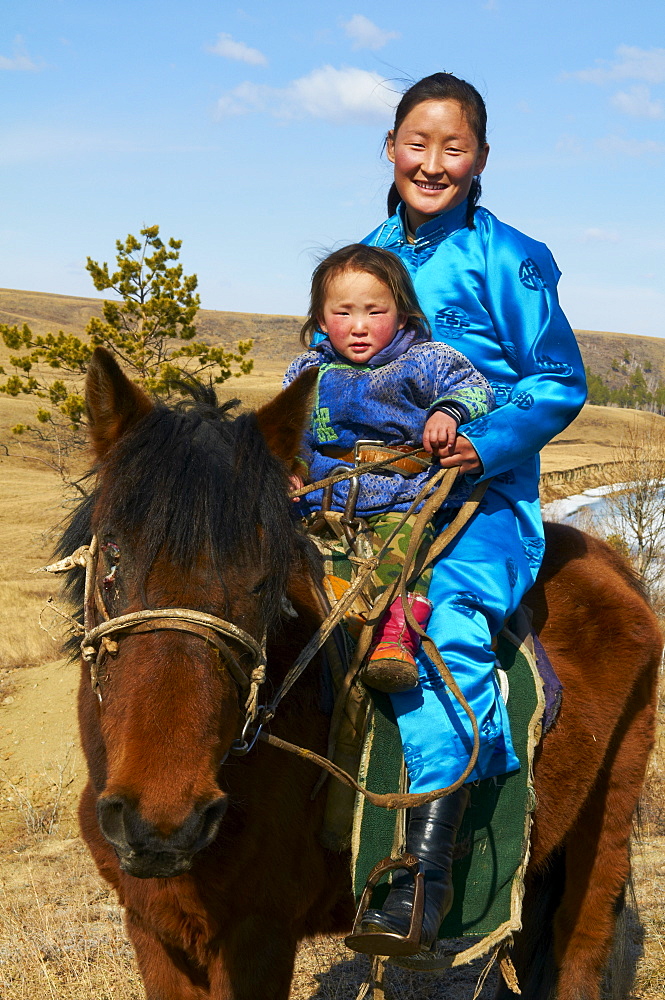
[101, 640]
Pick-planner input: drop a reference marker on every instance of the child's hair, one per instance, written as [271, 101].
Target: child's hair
[385, 266]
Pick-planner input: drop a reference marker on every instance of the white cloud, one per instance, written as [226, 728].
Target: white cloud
[17, 63]
[20, 60]
[27, 143]
[637, 102]
[228, 48]
[245, 98]
[618, 145]
[365, 34]
[339, 94]
[336, 95]
[571, 147]
[575, 149]
[631, 63]
[597, 235]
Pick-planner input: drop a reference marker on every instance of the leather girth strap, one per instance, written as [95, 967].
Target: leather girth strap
[411, 466]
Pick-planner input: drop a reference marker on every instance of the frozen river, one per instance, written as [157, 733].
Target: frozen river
[591, 500]
[594, 511]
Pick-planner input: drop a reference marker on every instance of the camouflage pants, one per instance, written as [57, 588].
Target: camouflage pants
[392, 561]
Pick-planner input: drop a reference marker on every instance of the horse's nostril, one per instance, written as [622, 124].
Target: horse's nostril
[211, 816]
[111, 819]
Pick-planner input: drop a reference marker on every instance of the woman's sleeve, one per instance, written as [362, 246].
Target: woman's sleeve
[540, 346]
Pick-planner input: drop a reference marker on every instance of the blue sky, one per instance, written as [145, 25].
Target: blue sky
[254, 134]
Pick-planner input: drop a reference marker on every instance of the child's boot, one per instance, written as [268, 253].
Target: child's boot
[391, 665]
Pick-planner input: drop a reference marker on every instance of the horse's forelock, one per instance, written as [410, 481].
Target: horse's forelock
[190, 480]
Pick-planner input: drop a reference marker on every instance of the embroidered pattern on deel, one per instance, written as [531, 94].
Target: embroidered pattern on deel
[468, 603]
[530, 275]
[321, 427]
[522, 400]
[473, 397]
[477, 428]
[533, 549]
[451, 322]
[547, 364]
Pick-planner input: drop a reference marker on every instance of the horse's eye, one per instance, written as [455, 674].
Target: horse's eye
[112, 556]
[111, 551]
[257, 588]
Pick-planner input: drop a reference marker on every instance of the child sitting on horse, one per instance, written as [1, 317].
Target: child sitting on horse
[382, 381]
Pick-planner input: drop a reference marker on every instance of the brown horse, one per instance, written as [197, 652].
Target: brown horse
[216, 858]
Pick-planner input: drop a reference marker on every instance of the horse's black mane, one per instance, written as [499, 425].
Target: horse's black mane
[188, 479]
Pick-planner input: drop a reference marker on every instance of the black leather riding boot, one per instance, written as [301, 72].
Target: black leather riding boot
[431, 837]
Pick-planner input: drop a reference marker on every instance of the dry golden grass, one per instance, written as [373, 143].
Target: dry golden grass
[62, 937]
[649, 871]
[649, 877]
[652, 815]
[593, 436]
[31, 498]
[61, 929]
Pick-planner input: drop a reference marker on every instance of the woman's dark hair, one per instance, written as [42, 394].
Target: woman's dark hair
[386, 268]
[445, 87]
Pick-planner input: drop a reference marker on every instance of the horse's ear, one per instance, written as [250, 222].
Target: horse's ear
[282, 421]
[114, 404]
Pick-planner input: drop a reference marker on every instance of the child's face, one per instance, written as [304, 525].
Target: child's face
[360, 315]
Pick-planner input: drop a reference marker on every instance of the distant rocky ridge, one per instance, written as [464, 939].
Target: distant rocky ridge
[613, 355]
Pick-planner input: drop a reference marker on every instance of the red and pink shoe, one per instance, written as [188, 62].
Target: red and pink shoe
[391, 665]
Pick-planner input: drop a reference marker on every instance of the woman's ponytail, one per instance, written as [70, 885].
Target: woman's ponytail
[471, 202]
[393, 199]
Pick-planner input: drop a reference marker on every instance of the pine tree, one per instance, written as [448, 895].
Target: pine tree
[150, 328]
[597, 392]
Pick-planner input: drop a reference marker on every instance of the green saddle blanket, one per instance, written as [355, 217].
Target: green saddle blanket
[493, 843]
[492, 848]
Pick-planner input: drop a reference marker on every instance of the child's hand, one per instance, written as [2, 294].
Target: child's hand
[440, 438]
[440, 435]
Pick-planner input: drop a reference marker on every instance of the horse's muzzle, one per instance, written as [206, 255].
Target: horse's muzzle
[144, 852]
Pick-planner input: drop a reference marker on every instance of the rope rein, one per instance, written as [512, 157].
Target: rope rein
[97, 642]
[435, 490]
